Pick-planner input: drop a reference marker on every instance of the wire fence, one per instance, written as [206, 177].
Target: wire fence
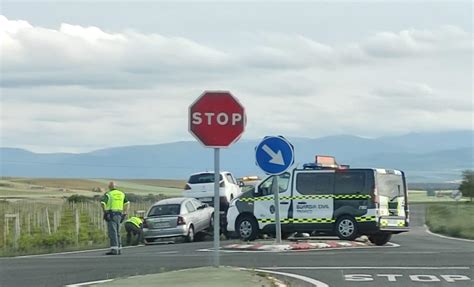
[30, 226]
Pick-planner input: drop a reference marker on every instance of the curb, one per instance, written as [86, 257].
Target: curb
[445, 236]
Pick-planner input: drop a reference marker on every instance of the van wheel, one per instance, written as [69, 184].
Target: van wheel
[346, 228]
[380, 238]
[247, 228]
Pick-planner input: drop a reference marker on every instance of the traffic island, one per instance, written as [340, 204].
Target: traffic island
[197, 277]
[306, 245]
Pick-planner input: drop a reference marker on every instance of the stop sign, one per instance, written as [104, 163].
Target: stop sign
[217, 119]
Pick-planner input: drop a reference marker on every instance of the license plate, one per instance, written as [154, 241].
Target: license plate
[392, 222]
[161, 225]
[206, 199]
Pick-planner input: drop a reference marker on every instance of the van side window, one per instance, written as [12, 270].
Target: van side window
[351, 182]
[315, 183]
[265, 188]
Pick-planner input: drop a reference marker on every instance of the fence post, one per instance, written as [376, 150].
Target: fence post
[48, 226]
[77, 225]
[17, 231]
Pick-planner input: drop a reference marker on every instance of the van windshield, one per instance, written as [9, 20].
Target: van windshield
[390, 185]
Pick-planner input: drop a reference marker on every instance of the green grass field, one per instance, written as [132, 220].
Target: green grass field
[44, 188]
[419, 196]
[454, 220]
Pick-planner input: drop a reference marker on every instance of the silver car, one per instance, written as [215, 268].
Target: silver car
[177, 218]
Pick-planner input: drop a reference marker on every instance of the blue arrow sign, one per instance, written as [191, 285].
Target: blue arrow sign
[274, 155]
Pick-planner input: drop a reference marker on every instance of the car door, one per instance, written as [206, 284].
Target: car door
[313, 200]
[192, 215]
[202, 220]
[264, 205]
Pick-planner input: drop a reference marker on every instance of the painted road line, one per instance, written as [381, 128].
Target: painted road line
[446, 237]
[89, 283]
[167, 252]
[371, 267]
[311, 281]
[70, 252]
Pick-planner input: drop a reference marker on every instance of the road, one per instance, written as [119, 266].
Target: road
[421, 260]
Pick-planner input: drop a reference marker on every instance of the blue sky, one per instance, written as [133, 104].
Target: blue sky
[82, 75]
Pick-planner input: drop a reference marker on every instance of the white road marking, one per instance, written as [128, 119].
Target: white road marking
[89, 283]
[446, 237]
[71, 252]
[167, 252]
[371, 267]
[312, 281]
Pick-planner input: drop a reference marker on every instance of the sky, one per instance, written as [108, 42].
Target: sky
[83, 75]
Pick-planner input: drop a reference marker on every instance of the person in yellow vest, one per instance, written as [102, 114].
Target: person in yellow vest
[115, 206]
[134, 226]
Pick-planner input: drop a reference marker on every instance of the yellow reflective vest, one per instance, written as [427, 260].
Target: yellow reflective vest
[137, 221]
[114, 200]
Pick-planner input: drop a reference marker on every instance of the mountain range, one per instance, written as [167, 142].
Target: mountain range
[425, 157]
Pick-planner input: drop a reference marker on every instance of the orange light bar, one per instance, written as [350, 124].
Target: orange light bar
[326, 161]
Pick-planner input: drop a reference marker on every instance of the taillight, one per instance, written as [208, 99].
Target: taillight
[145, 224]
[222, 184]
[181, 221]
[187, 187]
[376, 196]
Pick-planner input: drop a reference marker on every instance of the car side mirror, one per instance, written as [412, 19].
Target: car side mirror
[241, 183]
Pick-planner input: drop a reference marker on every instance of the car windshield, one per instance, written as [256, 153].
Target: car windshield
[164, 209]
[202, 178]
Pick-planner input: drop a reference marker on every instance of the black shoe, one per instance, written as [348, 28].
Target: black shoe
[112, 253]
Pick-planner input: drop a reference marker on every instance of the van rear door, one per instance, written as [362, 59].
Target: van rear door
[392, 198]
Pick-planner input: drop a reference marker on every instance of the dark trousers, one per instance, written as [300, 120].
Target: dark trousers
[132, 229]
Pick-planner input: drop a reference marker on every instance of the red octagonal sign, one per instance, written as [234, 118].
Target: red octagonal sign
[217, 119]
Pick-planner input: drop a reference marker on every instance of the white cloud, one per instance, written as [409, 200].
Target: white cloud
[79, 88]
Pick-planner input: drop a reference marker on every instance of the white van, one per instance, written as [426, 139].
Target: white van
[331, 199]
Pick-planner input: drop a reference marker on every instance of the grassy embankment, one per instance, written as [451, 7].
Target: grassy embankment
[47, 220]
[451, 219]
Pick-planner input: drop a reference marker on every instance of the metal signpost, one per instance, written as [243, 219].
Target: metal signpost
[216, 120]
[274, 155]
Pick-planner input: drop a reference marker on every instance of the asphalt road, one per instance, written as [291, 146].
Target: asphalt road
[421, 260]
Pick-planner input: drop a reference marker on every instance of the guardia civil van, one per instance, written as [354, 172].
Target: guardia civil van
[325, 198]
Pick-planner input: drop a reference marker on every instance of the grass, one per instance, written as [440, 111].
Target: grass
[454, 220]
[415, 196]
[36, 188]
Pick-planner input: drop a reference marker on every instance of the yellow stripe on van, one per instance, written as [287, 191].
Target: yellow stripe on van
[303, 197]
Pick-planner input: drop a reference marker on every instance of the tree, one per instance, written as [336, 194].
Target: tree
[467, 184]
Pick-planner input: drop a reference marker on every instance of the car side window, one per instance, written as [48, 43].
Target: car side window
[230, 178]
[190, 207]
[196, 203]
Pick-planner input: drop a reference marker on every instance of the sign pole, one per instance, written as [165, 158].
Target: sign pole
[216, 208]
[276, 198]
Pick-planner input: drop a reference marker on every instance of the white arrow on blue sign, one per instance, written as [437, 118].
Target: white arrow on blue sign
[274, 154]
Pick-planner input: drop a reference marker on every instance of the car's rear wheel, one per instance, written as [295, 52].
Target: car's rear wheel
[380, 238]
[346, 228]
[190, 236]
[247, 228]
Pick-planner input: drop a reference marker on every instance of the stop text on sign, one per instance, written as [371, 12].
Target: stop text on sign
[220, 118]
[216, 119]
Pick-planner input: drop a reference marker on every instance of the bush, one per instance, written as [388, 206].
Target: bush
[75, 198]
